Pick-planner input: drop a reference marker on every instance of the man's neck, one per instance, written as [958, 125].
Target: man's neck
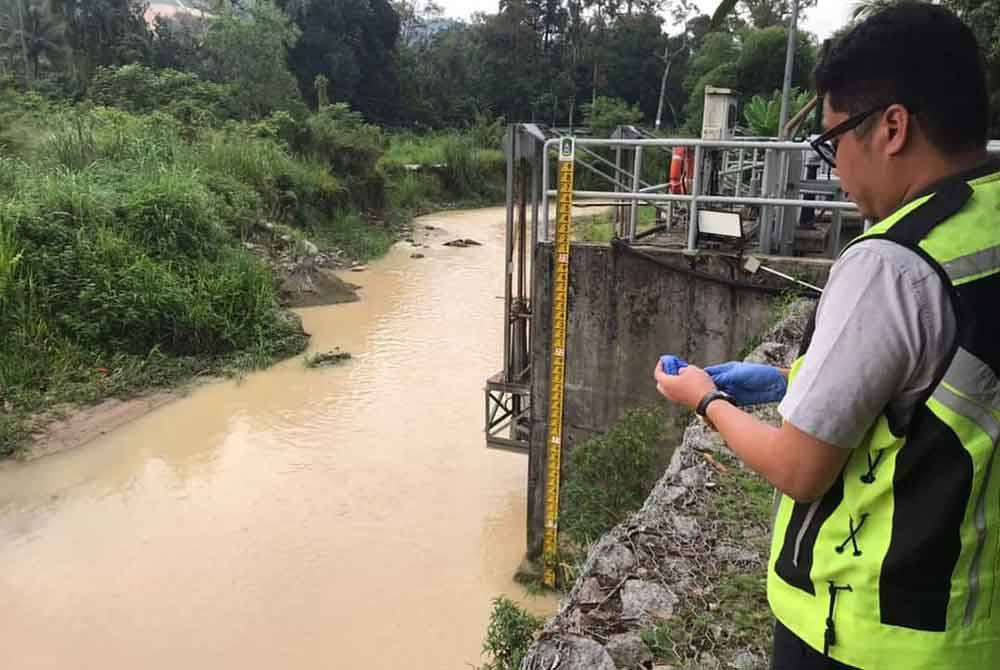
[937, 169]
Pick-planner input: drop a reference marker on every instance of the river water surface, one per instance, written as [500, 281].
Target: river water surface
[340, 518]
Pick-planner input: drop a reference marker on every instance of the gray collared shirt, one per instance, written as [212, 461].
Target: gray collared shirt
[884, 329]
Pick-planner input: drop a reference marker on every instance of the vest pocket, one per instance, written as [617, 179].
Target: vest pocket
[932, 483]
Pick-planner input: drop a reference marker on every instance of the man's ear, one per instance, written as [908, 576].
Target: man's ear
[898, 128]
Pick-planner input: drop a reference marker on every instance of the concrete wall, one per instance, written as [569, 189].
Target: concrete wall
[624, 312]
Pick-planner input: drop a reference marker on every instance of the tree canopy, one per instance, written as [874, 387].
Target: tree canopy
[403, 63]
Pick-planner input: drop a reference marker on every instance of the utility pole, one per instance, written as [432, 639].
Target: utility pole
[786, 89]
[667, 59]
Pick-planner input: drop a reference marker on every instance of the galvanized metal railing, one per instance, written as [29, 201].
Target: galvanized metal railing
[771, 158]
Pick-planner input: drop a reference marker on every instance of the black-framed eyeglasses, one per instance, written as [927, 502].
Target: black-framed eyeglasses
[826, 144]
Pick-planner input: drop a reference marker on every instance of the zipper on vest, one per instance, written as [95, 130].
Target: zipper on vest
[830, 635]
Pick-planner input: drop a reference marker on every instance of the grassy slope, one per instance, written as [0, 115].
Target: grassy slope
[122, 267]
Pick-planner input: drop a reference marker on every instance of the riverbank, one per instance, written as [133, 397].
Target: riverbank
[69, 426]
[287, 519]
[328, 279]
[682, 581]
[141, 250]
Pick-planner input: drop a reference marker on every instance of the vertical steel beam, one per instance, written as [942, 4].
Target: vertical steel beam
[634, 209]
[786, 87]
[692, 244]
[511, 147]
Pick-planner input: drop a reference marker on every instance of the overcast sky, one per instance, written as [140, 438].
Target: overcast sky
[823, 19]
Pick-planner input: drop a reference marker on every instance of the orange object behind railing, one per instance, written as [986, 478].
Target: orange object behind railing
[681, 171]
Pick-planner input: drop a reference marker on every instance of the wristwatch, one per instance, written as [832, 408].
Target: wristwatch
[709, 398]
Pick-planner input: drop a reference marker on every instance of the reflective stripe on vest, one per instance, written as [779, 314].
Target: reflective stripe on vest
[897, 567]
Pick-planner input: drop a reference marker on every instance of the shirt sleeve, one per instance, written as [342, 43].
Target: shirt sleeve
[881, 311]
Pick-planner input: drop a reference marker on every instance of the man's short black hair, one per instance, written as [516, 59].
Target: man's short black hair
[920, 56]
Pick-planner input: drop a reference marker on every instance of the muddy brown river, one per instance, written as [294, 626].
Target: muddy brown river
[339, 518]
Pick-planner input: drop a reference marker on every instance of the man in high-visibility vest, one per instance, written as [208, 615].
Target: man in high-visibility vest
[886, 545]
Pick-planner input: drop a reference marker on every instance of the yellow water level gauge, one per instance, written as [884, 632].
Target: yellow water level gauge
[557, 371]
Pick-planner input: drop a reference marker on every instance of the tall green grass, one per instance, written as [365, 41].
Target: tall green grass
[121, 257]
[455, 169]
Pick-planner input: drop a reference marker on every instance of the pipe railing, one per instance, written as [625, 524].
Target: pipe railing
[650, 194]
[641, 193]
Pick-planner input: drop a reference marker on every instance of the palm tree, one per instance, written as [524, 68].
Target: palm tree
[722, 12]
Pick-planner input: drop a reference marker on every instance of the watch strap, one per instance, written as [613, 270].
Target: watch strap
[710, 397]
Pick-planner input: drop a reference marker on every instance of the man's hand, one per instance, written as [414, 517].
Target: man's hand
[796, 463]
[687, 387]
[749, 383]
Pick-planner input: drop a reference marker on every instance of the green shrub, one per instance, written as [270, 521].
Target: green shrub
[610, 475]
[61, 196]
[763, 114]
[413, 190]
[462, 170]
[9, 170]
[471, 172]
[172, 215]
[139, 89]
[120, 240]
[10, 258]
[282, 126]
[457, 168]
[407, 148]
[283, 182]
[605, 114]
[509, 635]
[359, 238]
[341, 138]
[79, 139]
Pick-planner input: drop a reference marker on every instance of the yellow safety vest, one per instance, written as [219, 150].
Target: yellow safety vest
[897, 566]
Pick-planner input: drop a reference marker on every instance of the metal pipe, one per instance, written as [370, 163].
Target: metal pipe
[739, 174]
[634, 212]
[786, 87]
[836, 226]
[791, 278]
[618, 169]
[695, 192]
[713, 199]
[509, 252]
[654, 188]
[707, 144]
[536, 187]
[992, 147]
[522, 229]
[545, 185]
[601, 173]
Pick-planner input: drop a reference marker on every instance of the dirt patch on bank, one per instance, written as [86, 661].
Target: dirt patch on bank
[82, 425]
[313, 287]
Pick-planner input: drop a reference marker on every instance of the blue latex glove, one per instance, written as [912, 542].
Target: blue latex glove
[672, 364]
[749, 383]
